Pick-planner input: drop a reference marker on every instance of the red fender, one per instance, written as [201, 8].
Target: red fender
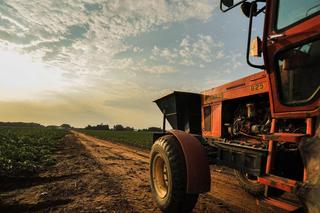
[198, 170]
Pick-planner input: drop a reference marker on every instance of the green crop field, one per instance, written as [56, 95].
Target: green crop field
[142, 139]
[24, 150]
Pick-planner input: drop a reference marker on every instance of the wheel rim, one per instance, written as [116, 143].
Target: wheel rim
[251, 178]
[160, 176]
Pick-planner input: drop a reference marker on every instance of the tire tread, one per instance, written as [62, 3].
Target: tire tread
[180, 201]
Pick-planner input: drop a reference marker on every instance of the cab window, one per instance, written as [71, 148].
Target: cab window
[299, 73]
[292, 11]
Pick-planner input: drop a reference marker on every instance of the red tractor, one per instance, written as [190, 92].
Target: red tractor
[264, 126]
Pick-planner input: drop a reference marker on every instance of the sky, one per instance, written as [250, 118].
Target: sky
[104, 61]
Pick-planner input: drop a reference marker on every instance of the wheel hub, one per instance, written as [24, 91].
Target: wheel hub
[160, 176]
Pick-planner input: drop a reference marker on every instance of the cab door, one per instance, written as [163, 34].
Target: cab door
[292, 56]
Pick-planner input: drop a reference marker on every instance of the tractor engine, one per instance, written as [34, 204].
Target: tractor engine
[250, 119]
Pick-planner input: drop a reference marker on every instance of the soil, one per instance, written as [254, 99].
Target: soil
[93, 175]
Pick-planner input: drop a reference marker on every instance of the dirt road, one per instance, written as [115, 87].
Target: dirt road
[93, 175]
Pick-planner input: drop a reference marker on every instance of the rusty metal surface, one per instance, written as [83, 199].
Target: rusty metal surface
[284, 137]
[284, 184]
[290, 207]
[198, 171]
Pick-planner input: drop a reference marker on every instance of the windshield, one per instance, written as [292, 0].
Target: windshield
[299, 73]
[292, 11]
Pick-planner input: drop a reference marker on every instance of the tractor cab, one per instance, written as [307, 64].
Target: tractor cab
[291, 48]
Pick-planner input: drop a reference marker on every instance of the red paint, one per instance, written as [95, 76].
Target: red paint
[296, 34]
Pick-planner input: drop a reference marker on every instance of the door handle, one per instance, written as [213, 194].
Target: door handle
[275, 36]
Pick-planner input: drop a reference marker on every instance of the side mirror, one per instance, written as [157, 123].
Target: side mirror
[227, 3]
[256, 47]
[246, 7]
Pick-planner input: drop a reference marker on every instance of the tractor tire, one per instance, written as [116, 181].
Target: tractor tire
[250, 184]
[168, 176]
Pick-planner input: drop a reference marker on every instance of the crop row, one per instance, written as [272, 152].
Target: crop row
[25, 150]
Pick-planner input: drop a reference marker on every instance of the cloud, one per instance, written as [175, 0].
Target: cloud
[220, 55]
[141, 66]
[81, 40]
[235, 60]
[198, 50]
[165, 53]
[159, 69]
[203, 47]
[187, 62]
[84, 36]
[137, 49]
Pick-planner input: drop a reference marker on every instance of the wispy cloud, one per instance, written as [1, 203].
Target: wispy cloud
[198, 50]
[84, 70]
[84, 36]
[165, 53]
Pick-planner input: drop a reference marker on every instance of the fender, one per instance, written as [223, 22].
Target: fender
[198, 170]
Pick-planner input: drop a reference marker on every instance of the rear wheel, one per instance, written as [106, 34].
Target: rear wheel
[169, 177]
[250, 183]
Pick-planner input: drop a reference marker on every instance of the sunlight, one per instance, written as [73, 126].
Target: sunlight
[22, 78]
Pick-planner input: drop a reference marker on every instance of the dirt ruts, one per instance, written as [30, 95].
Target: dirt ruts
[93, 175]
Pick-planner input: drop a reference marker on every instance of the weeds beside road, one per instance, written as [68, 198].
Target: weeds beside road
[141, 139]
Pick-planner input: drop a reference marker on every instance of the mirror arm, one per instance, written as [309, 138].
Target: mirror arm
[261, 10]
[249, 38]
[229, 8]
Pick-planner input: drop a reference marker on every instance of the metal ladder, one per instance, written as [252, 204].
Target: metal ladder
[277, 182]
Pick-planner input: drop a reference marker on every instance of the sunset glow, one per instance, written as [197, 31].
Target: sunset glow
[106, 61]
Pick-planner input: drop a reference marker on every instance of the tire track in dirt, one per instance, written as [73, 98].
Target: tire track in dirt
[130, 168]
[92, 175]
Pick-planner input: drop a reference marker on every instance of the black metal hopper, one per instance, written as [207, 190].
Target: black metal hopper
[182, 110]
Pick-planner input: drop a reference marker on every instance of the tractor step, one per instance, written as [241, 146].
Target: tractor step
[282, 204]
[284, 137]
[284, 184]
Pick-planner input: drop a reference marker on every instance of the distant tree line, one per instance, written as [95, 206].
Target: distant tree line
[117, 127]
[152, 129]
[120, 127]
[33, 125]
[98, 127]
[21, 124]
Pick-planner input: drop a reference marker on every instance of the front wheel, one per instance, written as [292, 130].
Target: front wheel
[168, 176]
